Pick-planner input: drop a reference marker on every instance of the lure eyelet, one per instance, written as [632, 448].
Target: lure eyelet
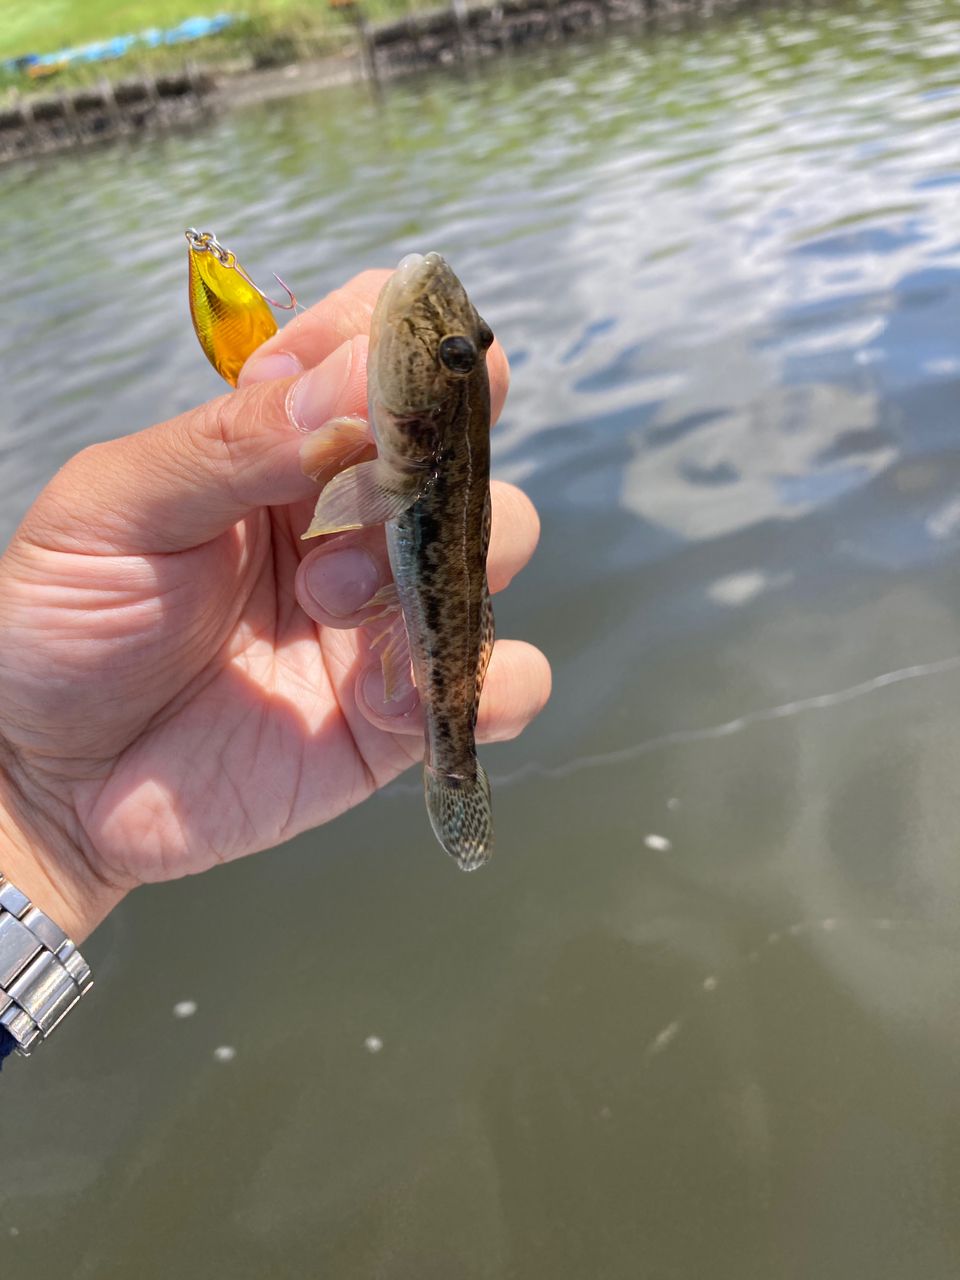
[207, 242]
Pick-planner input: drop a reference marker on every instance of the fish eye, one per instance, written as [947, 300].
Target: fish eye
[459, 354]
[485, 335]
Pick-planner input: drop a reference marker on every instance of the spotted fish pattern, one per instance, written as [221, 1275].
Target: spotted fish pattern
[429, 408]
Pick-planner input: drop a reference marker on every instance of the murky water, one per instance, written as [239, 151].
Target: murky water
[699, 1017]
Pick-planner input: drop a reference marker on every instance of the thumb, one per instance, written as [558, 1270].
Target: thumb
[184, 482]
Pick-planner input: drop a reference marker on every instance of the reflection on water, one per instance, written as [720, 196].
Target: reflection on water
[698, 1017]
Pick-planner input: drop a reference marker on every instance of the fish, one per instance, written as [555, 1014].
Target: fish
[429, 485]
[231, 315]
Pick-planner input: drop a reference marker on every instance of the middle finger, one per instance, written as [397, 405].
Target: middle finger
[336, 582]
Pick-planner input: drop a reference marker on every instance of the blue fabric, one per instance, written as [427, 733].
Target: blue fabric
[7, 1043]
[103, 50]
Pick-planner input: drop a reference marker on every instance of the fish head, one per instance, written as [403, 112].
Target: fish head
[426, 338]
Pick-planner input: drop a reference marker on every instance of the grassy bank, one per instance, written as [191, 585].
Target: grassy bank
[271, 33]
[41, 26]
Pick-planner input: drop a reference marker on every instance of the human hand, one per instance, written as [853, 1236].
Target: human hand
[182, 679]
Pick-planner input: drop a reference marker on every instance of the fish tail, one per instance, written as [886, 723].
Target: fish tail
[460, 814]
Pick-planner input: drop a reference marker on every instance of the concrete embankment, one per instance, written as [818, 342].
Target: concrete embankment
[34, 124]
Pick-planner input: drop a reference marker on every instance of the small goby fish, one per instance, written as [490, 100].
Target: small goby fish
[231, 316]
[429, 409]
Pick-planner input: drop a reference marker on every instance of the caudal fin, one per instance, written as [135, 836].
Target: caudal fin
[460, 815]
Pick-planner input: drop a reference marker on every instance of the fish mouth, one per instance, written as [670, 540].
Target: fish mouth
[416, 273]
[408, 267]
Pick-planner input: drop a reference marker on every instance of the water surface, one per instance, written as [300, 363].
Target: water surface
[698, 1018]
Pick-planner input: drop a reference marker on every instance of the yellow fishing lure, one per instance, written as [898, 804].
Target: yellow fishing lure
[231, 316]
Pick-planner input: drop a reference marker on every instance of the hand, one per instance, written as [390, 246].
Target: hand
[182, 680]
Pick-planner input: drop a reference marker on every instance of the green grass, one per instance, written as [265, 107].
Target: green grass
[41, 26]
[271, 33]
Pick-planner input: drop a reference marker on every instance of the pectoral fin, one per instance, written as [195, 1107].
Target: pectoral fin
[368, 493]
[338, 443]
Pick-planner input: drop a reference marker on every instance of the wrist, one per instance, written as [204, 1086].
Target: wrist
[39, 856]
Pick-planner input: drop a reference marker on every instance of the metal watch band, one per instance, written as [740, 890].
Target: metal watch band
[42, 974]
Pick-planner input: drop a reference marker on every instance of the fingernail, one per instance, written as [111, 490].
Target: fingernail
[314, 399]
[281, 364]
[341, 582]
[371, 691]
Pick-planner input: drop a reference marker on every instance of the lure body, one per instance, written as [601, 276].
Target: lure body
[231, 317]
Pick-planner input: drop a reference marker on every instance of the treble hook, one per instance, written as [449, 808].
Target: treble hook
[207, 242]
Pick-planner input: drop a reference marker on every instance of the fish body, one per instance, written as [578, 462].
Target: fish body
[438, 546]
[429, 409]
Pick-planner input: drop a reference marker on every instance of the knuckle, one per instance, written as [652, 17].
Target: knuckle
[83, 468]
[226, 430]
[519, 507]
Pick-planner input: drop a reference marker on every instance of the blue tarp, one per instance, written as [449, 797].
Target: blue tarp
[105, 50]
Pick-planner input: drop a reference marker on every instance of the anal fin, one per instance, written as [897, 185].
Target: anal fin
[391, 642]
[487, 626]
[487, 637]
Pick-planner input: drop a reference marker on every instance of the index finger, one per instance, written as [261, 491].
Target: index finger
[314, 334]
[345, 313]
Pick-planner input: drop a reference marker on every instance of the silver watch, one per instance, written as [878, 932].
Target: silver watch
[42, 974]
